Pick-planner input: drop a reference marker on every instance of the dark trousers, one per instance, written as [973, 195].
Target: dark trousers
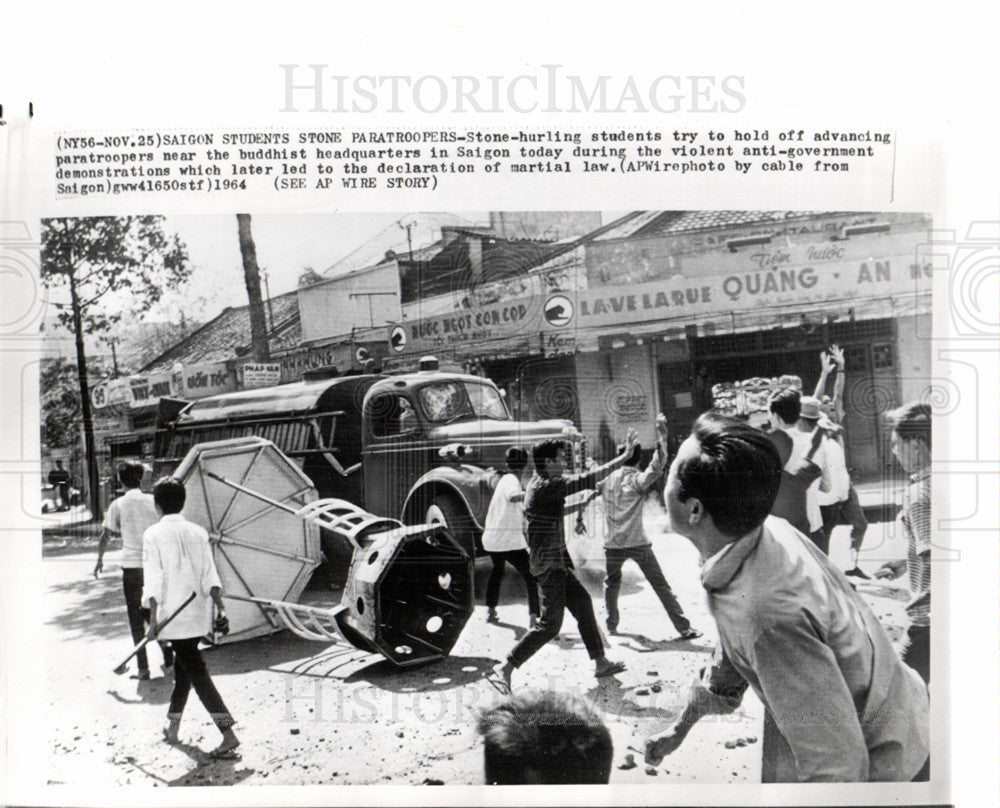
[138, 617]
[559, 591]
[918, 651]
[847, 512]
[190, 671]
[615, 557]
[518, 559]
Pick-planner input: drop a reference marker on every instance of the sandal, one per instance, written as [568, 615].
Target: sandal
[498, 682]
[610, 670]
[231, 753]
[690, 634]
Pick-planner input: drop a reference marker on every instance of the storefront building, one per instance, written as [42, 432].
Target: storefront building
[646, 315]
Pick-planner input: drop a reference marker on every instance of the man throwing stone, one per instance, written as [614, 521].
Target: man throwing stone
[544, 505]
[839, 704]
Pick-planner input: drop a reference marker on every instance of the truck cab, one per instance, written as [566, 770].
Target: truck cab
[434, 446]
[426, 446]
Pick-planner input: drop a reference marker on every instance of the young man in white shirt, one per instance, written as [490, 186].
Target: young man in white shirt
[177, 562]
[503, 536]
[836, 465]
[128, 516]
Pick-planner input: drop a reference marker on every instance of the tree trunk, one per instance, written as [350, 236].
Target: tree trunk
[251, 275]
[89, 444]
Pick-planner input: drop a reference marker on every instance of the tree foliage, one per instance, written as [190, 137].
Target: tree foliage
[107, 265]
[116, 263]
[60, 402]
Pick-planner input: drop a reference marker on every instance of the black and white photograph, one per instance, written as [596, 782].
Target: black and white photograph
[290, 458]
[428, 404]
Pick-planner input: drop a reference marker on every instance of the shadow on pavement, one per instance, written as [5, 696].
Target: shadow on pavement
[444, 675]
[101, 613]
[207, 772]
[612, 699]
[644, 645]
[155, 691]
[210, 772]
[272, 651]
[519, 631]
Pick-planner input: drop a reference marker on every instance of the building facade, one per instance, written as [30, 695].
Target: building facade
[648, 314]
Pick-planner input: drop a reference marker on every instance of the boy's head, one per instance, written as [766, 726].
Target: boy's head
[545, 737]
[517, 460]
[549, 457]
[634, 458]
[785, 406]
[911, 435]
[723, 481]
[169, 495]
[810, 410]
[130, 473]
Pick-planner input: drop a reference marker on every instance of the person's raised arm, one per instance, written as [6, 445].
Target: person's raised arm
[826, 366]
[838, 385]
[591, 478]
[658, 462]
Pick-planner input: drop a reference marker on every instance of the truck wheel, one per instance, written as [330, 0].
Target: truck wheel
[448, 510]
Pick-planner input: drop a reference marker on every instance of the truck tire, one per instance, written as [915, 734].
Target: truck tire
[449, 510]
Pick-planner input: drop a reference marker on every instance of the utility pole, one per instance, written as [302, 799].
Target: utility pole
[114, 357]
[251, 276]
[267, 291]
[408, 227]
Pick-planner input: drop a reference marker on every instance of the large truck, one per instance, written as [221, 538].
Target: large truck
[423, 447]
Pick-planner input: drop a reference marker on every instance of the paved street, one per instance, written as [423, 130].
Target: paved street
[315, 714]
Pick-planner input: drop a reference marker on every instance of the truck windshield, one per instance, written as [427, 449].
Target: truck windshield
[444, 402]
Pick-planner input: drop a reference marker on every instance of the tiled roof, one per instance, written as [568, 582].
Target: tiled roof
[652, 223]
[217, 340]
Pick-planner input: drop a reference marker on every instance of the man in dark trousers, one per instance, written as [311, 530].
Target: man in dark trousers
[177, 560]
[544, 507]
[59, 478]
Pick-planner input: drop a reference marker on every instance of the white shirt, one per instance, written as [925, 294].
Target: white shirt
[801, 446]
[840, 480]
[130, 515]
[504, 531]
[178, 561]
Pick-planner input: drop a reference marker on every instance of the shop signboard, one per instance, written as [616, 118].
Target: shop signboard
[261, 374]
[133, 392]
[201, 381]
[755, 288]
[758, 280]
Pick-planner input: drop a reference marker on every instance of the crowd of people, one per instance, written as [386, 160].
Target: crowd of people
[758, 503]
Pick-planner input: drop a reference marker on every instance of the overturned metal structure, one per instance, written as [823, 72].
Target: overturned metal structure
[408, 591]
